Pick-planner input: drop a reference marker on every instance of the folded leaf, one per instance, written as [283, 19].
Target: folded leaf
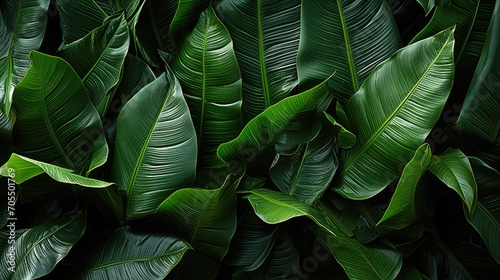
[307, 172]
[208, 71]
[266, 40]
[22, 28]
[455, 171]
[334, 39]
[98, 59]
[155, 151]
[393, 112]
[480, 114]
[38, 250]
[134, 255]
[428, 5]
[26, 168]
[292, 121]
[56, 122]
[402, 210]
[207, 219]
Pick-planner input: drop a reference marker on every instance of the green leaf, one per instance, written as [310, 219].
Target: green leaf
[480, 115]
[129, 6]
[393, 112]
[282, 263]
[155, 151]
[251, 243]
[334, 39]
[22, 28]
[276, 207]
[471, 18]
[409, 272]
[128, 254]
[454, 170]
[37, 250]
[98, 59]
[345, 138]
[288, 121]
[26, 168]
[307, 172]
[78, 18]
[486, 217]
[402, 210]
[136, 75]
[187, 15]
[266, 38]
[208, 71]
[56, 122]
[357, 260]
[428, 5]
[207, 219]
[150, 29]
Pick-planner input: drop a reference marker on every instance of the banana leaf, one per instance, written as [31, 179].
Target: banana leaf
[22, 28]
[290, 122]
[155, 150]
[266, 39]
[208, 71]
[129, 254]
[403, 208]
[454, 170]
[480, 114]
[79, 17]
[26, 168]
[334, 38]
[393, 112]
[207, 219]
[307, 172]
[37, 251]
[56, 122]
[98, 59]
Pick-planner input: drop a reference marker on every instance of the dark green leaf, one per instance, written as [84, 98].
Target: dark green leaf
[454, 169]
[134, 255]
[56, 122]
[334, 39]
[22, 28]
[208, 71]
[266, 40]
[155, 151]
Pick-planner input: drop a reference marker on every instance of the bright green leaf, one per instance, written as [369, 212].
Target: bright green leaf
[393, 112]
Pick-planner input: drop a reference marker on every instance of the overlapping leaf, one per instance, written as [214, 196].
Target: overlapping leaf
[136, 75]
[78, 18]
[308, 171]
[402, 209]
[266, 38]
[98, 59]
[134, 255]
[480, 113]
[56, 122]
[290, 122]
[38, 250]
[26, 168]
[334, 39]
[394, 111]
[454, 169]
[208, 71]
[156, 149]
[186, 17]
[22, 28]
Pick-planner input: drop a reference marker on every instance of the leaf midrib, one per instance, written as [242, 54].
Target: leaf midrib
[8, 79]
[140, 158]
[293, 184]
[351, 160]
[350, 58]
[262, 58]
[203, 82]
